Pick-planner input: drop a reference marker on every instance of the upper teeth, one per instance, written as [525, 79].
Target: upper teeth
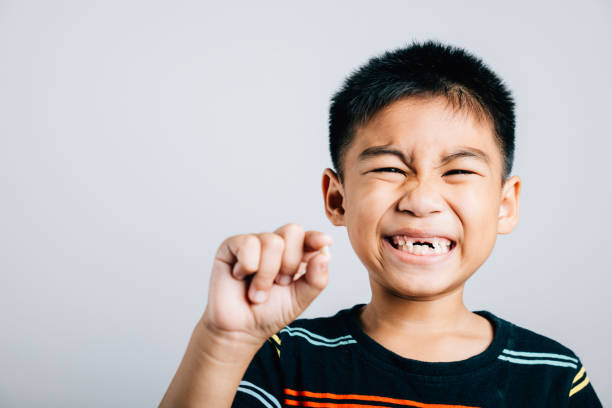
[435, 241]
[440, 245]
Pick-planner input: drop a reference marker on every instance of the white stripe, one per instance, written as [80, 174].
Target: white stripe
[259, 397]
[544, 355]
[253, 393]
[536, 362]
[316, 336]
[318, 343]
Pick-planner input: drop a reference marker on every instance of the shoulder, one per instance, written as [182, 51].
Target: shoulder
[551, 359]
[525, 343]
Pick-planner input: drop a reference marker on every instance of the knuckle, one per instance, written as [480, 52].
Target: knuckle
[230, 240]
[273, 241]
[249, 240]
[248, 252]
[293, 228]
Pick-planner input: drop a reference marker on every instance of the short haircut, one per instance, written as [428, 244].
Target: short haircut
[421, 69]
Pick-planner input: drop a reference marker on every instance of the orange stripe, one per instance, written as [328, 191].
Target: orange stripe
[329, 404]
[328, 395]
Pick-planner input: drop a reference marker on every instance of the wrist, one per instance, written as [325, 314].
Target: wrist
[211, 369]
[223, 347]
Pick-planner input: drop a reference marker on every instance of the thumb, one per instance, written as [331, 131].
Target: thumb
[308, 287]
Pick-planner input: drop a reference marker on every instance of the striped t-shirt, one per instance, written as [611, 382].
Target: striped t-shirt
[330, 362]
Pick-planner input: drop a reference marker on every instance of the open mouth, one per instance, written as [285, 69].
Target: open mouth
[421, 245]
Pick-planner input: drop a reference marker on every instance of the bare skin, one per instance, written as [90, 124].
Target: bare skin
[442, 330]
[446, 185]
[248, 301]
[421, 166]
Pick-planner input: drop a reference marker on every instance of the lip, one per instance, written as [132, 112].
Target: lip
[414, 259]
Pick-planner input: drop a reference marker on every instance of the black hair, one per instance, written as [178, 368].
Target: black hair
[421, 69]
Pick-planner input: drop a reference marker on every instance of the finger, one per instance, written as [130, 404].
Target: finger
[315, 240]
[315, 279]
[301, 270]
[293, 234]
[241, 253]
[272, 247]
[240, 271]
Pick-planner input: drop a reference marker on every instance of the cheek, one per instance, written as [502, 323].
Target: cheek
[364, 210]
[478, 209]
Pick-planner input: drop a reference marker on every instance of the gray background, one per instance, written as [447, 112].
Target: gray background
[136, 136]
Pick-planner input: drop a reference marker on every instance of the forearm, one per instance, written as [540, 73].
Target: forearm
[210, 371]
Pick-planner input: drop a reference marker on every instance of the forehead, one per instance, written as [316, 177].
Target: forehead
[426, 126]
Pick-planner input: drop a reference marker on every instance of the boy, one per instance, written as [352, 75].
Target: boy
[422, 142]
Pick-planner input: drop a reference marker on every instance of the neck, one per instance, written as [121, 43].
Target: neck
[387, 310]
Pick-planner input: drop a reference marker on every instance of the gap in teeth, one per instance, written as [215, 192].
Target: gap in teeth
[421, 247]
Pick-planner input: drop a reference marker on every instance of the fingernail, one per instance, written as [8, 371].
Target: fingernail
[283, 279]
[259, 296]
[325, 250]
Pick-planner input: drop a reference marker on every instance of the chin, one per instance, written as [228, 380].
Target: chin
[417, 287]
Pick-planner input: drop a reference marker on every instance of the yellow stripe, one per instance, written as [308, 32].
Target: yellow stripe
[579, 375]
[579, 386]
[276, 339]
[275, 346]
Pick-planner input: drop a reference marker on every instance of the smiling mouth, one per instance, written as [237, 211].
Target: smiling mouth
[421, 245]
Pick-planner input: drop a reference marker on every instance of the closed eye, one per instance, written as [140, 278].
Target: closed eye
[458, 171]
[388, 170]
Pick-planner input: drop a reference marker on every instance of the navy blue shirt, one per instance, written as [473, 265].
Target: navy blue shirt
[330, 362]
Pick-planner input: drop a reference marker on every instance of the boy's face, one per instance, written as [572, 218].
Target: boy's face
[422, 197]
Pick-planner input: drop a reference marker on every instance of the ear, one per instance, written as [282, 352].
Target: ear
[509, 205]
[333, 196]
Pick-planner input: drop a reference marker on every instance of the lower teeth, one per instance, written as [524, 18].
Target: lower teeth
[418, 249]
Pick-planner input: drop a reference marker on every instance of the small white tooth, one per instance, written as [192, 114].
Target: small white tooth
[400, 241]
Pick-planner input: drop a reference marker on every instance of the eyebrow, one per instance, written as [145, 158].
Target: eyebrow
[468, 152]
[464, 151]
[376, 151]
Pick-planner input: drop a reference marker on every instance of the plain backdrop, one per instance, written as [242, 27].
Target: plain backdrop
[136, 136]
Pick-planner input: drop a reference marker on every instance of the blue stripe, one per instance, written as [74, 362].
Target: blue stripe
[257, 395]
[536, 362]
[293, 331]
[543, 355]
[318, 343]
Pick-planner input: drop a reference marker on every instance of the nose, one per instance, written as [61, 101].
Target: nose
[420, 199]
